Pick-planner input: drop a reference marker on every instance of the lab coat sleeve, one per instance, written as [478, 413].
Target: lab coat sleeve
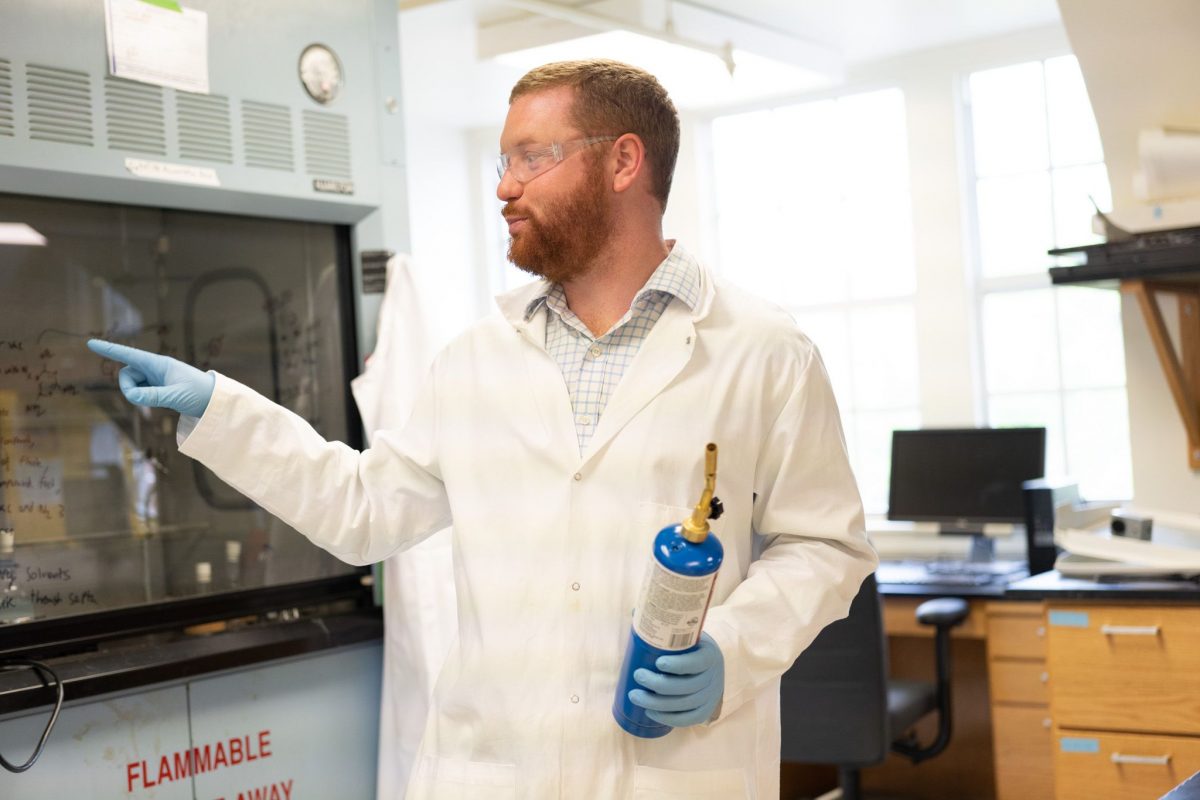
[816, 555]
[361, 507]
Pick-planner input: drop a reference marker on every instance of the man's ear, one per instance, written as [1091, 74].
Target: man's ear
[629, 161]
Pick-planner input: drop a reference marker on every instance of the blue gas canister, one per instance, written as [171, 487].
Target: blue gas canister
[673, 600]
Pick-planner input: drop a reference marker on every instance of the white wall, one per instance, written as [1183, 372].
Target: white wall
[689, 202]
[1162, 478]
[443, 85]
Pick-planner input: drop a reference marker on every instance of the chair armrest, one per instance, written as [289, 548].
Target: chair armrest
[944, 611]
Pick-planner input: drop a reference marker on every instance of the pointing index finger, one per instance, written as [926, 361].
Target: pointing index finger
[126, 355]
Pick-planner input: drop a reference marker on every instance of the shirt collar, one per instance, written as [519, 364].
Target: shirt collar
[678, 275]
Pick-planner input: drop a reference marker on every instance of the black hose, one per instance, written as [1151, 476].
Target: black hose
[42, 671]
[199, 473]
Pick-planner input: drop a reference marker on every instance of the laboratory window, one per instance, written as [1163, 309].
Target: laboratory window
[813, 210]
[1050, 356]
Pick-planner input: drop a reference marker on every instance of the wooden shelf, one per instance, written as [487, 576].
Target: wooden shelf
[1144, 273]
[1182, 368]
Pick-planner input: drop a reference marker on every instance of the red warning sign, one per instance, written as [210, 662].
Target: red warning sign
[199, 760]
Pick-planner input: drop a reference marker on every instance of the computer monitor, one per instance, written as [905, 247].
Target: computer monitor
[964, 478]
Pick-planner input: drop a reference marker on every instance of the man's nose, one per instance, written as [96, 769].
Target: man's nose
[509, 187]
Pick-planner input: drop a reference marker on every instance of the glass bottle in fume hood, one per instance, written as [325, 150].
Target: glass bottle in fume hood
[233, 565]
[203, 577]
[16, 604]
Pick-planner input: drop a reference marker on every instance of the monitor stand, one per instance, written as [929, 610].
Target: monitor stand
[983, 549]
[982, 555]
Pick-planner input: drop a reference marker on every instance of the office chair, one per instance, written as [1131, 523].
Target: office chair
[838, 705]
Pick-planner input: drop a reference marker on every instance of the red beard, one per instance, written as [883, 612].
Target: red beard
[562, 241]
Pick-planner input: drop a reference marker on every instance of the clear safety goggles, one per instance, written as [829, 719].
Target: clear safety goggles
[528, 161]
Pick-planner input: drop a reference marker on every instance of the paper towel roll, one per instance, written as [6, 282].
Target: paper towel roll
[1170, 161]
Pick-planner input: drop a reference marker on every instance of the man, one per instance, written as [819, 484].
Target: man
[559, 435]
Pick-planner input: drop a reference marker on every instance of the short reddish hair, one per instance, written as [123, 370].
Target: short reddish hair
[613, 98]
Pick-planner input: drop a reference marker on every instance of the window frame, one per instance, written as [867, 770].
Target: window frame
[982, 286]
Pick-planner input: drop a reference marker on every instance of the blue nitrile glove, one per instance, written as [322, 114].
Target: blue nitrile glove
[161, 381]
[686, 689]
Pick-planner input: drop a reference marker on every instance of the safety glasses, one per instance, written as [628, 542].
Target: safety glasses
[528, 161]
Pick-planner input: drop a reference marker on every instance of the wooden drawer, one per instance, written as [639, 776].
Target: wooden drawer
[1023, 745]
[1112, 766]
[1016, 630]
[1131, 668]
[1019, 682]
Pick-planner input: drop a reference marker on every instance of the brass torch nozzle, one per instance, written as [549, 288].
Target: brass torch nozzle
[695, 527]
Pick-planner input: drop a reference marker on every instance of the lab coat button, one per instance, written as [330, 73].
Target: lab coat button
[578, 476]
[574, 698]
[575, 587]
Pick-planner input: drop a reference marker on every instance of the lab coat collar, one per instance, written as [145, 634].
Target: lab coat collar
[513, 304]
[664, 354]
[667, 350]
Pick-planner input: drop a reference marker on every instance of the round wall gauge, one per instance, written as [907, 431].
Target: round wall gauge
[321, 73]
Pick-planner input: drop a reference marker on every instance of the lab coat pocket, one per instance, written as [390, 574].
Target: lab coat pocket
[452, 779]
[652, 783]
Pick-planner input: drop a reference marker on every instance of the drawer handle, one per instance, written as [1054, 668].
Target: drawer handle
[1122, 758]
[1129, 630]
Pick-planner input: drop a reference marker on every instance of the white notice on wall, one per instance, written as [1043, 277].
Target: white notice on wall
[157, 41]
[178, 173]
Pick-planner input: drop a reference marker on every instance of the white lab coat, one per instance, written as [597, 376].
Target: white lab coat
[419, 611]
[550, 546]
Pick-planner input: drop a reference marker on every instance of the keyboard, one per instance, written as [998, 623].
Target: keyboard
[947, 573]
[997, 568]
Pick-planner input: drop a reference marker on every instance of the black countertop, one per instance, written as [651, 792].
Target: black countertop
[991, 591]
[1053, 586]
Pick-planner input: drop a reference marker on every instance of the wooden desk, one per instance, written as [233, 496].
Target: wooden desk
[1124, 685]
[1020, 700]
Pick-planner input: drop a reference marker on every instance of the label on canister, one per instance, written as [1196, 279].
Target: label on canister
[672, 607]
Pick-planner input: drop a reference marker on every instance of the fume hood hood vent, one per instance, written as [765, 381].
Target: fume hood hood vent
[6, 108]
[267, 135]
[6, 97]
[204, 131]
[135, 116]
[326, 145]
[60, 104]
